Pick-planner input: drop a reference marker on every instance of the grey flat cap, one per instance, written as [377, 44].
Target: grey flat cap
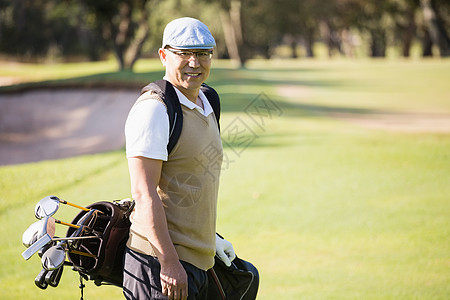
[188, 33]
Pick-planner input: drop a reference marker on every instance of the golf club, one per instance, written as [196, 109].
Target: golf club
[42, 232]
[37, 230]
[54, 257]
[45, 248]
[49, 205]
[88, 218]
[86, 222]
[65, 223]
[52, 278]
[39, 281]
[44, 240]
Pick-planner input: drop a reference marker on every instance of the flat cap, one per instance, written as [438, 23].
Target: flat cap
[187, 33]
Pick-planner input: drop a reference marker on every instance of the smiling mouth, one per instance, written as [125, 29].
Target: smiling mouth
[193, 74]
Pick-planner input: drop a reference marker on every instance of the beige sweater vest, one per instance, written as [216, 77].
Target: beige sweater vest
[188, 189]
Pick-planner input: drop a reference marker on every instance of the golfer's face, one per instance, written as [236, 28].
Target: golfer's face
[184, 69]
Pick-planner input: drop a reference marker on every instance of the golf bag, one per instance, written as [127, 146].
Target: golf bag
[240, 281]
[106, 267]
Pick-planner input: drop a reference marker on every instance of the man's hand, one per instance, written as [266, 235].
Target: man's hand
[225, 251]
[174, 281]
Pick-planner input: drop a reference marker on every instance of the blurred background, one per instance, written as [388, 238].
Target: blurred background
[92, 30]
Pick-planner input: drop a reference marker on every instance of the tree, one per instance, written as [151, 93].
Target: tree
[25, 28]
[35, 29]
[125, 24]
[436, 26]
[301, 23]
[406, 24]
[231, 18]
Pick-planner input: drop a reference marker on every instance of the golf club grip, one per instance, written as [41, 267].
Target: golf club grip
[67, 224]
[39, 281]
[74, 205]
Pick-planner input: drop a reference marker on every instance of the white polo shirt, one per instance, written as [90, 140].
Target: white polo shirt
[147, 126]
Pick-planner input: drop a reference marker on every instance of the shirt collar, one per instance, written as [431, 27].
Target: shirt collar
[206, 110]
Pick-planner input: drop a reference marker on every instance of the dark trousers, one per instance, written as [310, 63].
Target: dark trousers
[141, 278]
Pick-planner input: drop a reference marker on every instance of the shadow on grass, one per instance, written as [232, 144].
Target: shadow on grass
[233, 100]
[267, 77]
[111, 80]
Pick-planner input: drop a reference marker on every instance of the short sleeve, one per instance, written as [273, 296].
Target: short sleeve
[147, 130]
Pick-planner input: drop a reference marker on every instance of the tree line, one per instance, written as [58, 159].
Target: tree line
[93, 29]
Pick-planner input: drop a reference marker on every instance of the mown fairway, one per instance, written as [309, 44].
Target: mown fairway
[335, 183]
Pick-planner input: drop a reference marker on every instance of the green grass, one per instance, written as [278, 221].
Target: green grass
[325, 209]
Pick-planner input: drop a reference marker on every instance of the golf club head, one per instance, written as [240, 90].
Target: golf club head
[53, 258]
[37, 230]
[53, 277]
[45, 248]
[39, 281]
[36, 246]
[46, 207]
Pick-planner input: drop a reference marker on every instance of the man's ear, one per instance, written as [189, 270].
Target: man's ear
[162, 56]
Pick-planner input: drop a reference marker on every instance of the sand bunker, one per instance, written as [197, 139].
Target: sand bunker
[51, 124]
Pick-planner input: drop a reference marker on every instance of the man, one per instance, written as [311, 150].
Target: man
[172, 237]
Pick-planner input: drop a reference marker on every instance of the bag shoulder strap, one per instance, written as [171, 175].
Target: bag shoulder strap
[214, 100]
[166, 92]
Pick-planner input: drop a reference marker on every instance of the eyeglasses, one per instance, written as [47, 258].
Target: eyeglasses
[203, 55]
